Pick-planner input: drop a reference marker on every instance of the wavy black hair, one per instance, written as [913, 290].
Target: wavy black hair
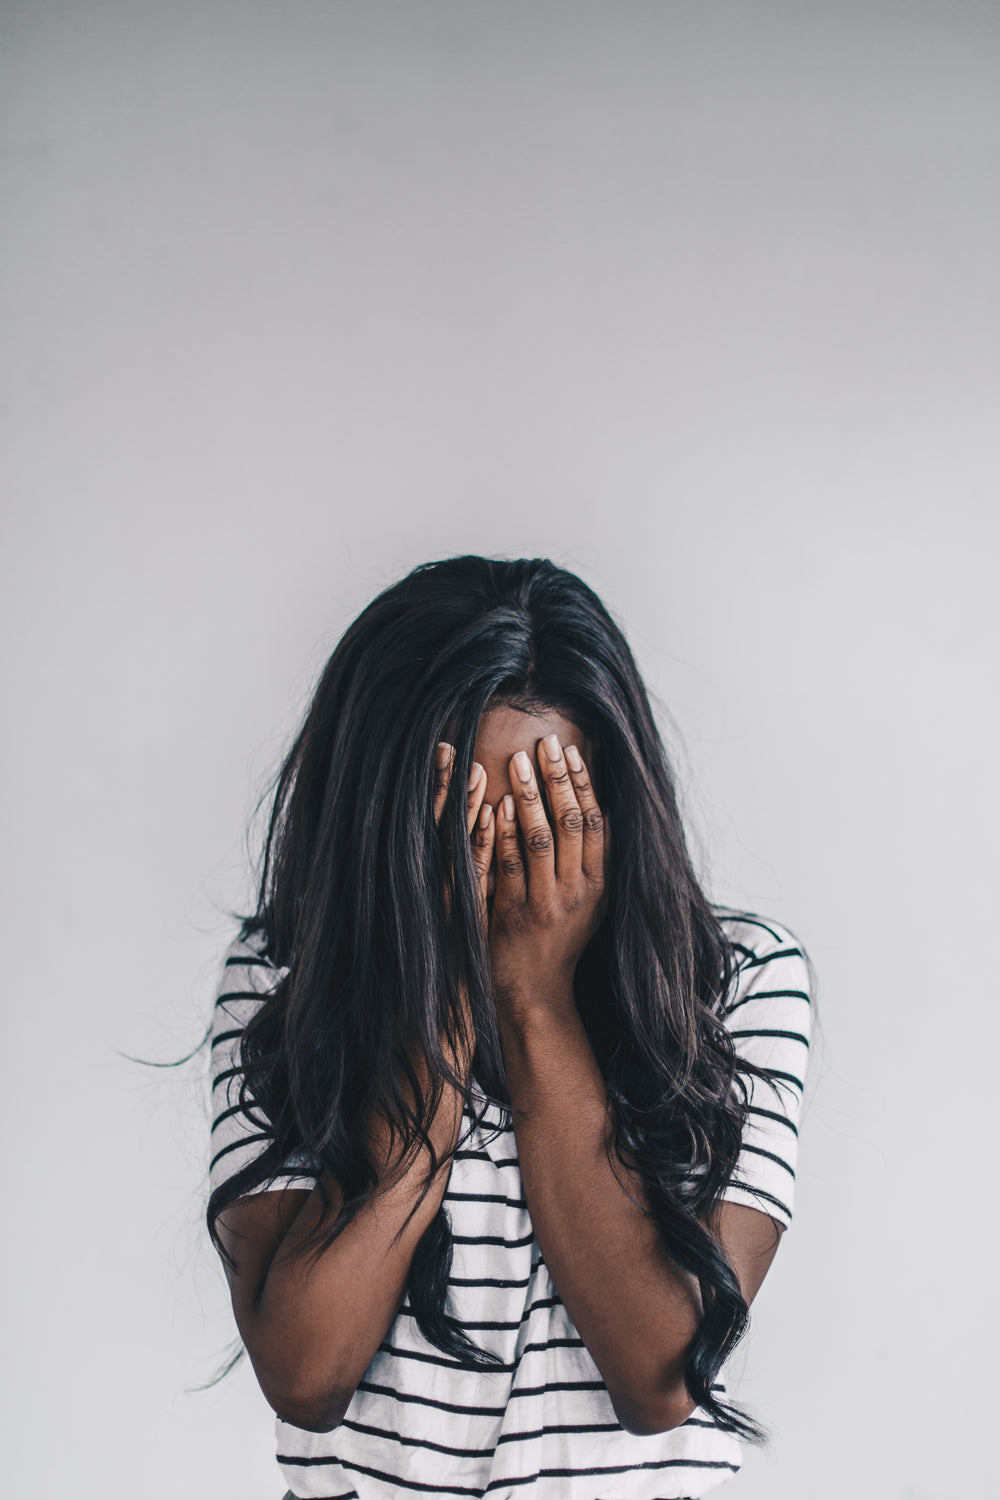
[351, 903]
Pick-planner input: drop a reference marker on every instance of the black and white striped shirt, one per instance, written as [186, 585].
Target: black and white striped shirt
[542, 1424]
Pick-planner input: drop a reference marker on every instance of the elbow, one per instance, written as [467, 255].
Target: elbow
[311, 1404]
[302, 1393]
[645, 1415]
[313, 1413]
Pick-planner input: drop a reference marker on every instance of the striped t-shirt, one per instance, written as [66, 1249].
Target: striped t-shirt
[542, 1424]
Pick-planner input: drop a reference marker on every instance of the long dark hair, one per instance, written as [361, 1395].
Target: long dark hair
[351, 902]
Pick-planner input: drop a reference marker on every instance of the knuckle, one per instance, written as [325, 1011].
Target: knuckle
[594, 820]
[511, 865]
[571, 821]
[539, 841]
[530, 795]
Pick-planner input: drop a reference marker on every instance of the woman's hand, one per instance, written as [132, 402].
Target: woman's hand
[549, 902]
[479, 817]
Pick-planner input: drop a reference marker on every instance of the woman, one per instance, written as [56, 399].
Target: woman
[505, 1110]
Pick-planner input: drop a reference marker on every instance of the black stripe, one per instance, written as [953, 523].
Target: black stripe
[410, 1484]
[239, 995]
[383, 1432]
[577, 1427]
[653, 1463]
[554, 1301]
[225, 1036]
[742, 948]
[492, 1239]
[772, 1114]
[249, 963]
[554, 1343]
[789, 1036]
[759, 1151]
[247, 1140]
[508, 1327]
[558, 1385]
[582, 1427]
[500, 1281]
[220, 1077]
[237, 1109]
[769, 995]
[765, 958]
[484, 1156]
[480, 1326]
[756, 1192]
[485, 1198]
[730, 913]
[781, 1077]
[374, 1389]
[434, 1359]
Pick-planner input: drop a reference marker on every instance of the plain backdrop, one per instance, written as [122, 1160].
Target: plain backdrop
[699, 300]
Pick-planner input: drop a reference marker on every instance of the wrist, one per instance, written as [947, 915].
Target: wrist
[536, 1007]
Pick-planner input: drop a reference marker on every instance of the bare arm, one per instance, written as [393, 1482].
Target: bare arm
[636, 1310]
[312, 1327]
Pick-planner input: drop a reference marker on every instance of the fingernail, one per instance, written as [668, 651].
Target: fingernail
[572, 754]
[474, 775]
[508, 808]
[551, 743]
[485, 815]
[444, 753]
[522, 766]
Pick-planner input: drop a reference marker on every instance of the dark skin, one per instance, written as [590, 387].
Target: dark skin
[311, 1333]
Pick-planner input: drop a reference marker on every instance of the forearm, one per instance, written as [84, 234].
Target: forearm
[635, 1310]
[318, 1323]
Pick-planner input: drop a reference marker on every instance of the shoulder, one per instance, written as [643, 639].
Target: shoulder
[246, 976]
[757, 939]
[768, 1009]
[772, 978]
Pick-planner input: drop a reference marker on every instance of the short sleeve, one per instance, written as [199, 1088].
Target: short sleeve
[769, 1018]
[241, 1132]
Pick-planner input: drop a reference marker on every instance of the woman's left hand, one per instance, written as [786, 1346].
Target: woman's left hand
[549, 902]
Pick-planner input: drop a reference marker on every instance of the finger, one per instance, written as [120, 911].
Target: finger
[483, 838]
[476, 792]
[536, 835]
[443, 761]
[593, 819]
[567, 817]
[511, 888]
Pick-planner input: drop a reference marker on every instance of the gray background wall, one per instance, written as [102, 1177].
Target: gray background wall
[700, 301]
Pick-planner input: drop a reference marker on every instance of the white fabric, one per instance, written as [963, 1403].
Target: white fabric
[542, 1426]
